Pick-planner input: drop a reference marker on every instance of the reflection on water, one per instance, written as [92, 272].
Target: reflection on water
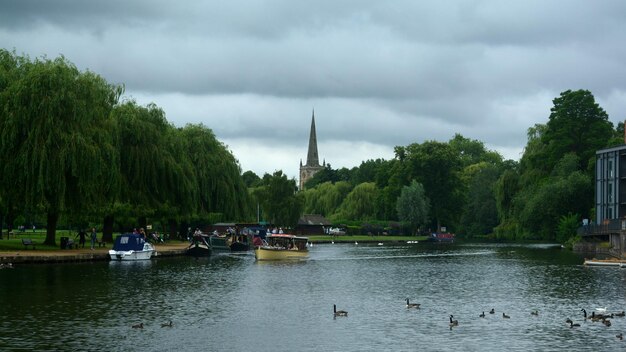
[237, 304]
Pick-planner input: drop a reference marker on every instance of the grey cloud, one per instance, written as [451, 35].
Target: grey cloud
[379, 74]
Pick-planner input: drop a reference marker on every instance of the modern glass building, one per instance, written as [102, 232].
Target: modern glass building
[610, 184]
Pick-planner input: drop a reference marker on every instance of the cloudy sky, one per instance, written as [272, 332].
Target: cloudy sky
[378, 73]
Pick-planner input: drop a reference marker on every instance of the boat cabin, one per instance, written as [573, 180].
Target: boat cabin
[286, 241]
[129, 242]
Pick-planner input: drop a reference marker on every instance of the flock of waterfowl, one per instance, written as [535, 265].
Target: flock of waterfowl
[602, 316]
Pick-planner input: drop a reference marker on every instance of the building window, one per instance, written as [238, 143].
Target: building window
[610, 169]
[610, 192]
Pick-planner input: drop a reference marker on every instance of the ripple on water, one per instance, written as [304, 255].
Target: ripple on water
[235, 303]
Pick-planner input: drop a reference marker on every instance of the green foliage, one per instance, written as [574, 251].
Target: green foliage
[278, 199]
[578, 125]
[250, 179]
[413, 205]
[506, 187]
[507, 230]
[57, 130]
[360, 203]
[437, 166]
[543, 205]
[326, 198]
[480, 213]
[567, 227]
[79, 154]
[217, 174]
[472, 151]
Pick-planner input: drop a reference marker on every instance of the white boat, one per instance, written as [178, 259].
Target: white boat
[131, 246]
[605, 262]
[282, 246]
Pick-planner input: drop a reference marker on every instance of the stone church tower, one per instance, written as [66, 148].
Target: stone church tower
[312, 160]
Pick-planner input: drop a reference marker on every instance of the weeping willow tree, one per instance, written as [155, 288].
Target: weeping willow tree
[222, 194]
[155, 173]
[12, 67]
[57, 135]
[360, 203]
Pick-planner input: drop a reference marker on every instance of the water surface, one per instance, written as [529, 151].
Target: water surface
[233, 303]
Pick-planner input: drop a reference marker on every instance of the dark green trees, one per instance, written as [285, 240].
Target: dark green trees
[413, 206]
[56, 138]
[73, 150]
[278, 199]
[555, 178]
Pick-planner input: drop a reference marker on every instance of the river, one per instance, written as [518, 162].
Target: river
[234, 303]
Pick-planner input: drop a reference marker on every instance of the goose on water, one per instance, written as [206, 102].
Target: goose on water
[167, 325]
[492, 311]
[412, 305]
[138, 326]
[339, 313]
[453, 322]
[572, 325]
[505, 316]
[482, 315]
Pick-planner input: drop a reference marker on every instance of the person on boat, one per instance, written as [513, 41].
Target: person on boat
[143, 234]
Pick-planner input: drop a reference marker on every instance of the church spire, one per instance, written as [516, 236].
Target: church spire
[312, 157]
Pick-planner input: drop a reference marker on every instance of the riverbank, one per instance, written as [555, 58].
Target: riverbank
[169, 249]
[79, 255]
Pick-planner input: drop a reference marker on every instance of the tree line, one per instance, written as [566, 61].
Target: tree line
[473, 191]
[71, 147]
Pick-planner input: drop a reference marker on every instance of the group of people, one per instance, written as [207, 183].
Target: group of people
[82, 237]
[154, 236]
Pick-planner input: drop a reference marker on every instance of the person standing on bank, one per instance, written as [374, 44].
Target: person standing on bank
[82, 235]
[94, 237]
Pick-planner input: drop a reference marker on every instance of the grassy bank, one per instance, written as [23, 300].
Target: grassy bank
[14, 242]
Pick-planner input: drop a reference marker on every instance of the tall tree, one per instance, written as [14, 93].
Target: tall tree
[57, 129]
[221, 189]
[413, 205]
[577, 124]
[436, 166]
[278, 199]
[480, 213]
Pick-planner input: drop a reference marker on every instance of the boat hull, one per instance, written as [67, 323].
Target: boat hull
[239, 247]
[199, 251]
[131, 255]
[264, 253]
[605, 263]
[219, 244]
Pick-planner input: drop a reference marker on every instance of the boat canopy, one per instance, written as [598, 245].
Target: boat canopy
[129, 242]
[257, 231]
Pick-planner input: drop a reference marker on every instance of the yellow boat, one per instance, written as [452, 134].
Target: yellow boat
[281, 247]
